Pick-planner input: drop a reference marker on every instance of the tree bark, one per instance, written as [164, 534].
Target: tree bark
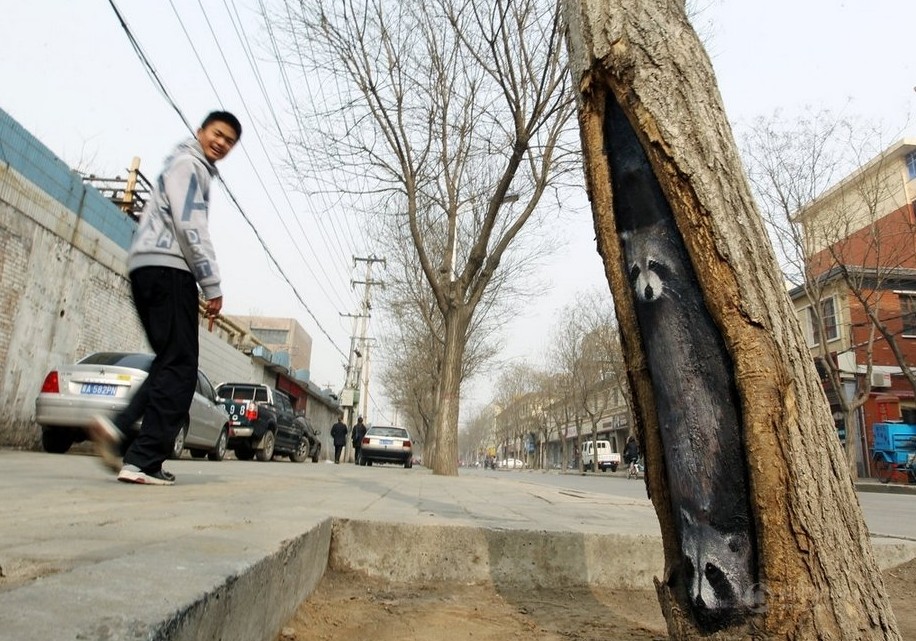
[445, 451]
[817, 575]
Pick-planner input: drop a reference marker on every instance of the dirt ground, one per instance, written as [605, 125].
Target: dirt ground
[347, 607]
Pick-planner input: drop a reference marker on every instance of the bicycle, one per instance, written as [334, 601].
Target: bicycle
[634, 469]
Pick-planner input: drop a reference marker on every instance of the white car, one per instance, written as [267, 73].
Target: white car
[102, 383]
[511, 464]
[386, 445]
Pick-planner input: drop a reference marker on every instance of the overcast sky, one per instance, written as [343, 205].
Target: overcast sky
[69, 75]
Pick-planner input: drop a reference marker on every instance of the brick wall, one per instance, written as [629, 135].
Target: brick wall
[62, 289]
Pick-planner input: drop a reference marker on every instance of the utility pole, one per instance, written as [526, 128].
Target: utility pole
[356, 388]
[364, 386]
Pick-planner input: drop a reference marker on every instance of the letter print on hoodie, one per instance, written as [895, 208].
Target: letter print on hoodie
[178, 210]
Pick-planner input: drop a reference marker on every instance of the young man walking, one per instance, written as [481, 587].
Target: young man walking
[170, 256]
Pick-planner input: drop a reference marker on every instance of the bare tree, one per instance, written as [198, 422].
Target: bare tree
[566, 358]
[557, 392]
[477, 435]
[743, 467]
[515, 400]
[414, 345]
[585, 352]
[542, 419]
[450, 116]
[601, 371]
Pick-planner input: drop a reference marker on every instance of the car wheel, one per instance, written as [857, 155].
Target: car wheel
[408, 464]
[362, 460]
[178, 445]
[301, 453]
[268, 442]
[56, 440]
[244, 453]
[198, 453]
[613, 467]
[218, 453]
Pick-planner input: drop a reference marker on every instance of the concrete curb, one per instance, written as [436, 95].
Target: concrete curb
[212, 594]
[409, 553]
[885, 488]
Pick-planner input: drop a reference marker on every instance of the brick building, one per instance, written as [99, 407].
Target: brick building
[860, 258]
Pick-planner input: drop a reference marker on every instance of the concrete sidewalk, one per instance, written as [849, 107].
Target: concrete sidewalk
[234, 547]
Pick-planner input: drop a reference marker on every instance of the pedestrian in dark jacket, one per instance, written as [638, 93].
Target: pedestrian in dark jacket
[359, 431]
[339, 434]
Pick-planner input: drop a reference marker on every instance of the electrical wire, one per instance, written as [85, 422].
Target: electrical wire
[246, 47]
[310, 151]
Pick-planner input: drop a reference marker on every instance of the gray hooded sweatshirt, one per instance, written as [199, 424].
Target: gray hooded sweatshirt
[173, 229]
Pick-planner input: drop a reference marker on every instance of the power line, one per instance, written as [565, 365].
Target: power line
[240, 33]
[305, 77]
[148, 66]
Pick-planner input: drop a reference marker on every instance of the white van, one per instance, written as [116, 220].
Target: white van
[599, 451]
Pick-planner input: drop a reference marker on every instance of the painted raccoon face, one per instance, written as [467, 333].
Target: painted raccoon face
[717, 571]
[651, 259]
[647, 278]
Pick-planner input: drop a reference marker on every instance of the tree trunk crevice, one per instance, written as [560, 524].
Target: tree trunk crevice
[817, 575]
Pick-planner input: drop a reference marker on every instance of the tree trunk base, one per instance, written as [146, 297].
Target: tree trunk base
[682, 628]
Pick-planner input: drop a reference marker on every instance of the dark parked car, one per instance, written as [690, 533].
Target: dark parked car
[102, 383]
[311, 434]
[386, 445]
[262, 423]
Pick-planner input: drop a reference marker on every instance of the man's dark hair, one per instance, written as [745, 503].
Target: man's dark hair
[226, 117]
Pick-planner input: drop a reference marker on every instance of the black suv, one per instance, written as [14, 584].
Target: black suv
[262, 423]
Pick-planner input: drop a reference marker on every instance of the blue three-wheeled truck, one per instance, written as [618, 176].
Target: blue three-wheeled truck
[894, 451]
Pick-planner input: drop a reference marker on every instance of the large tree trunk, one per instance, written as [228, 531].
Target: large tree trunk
[814, 575]
[445, 454]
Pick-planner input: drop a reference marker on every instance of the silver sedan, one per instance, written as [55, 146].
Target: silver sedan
[386, 445]
[102, 383]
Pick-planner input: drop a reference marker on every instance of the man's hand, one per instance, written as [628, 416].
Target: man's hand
[214, 305]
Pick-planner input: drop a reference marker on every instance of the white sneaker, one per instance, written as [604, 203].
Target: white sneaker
[107, 439]
[133, 474]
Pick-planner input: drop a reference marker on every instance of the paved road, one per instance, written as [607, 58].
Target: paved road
[86, 557]
[890, 515]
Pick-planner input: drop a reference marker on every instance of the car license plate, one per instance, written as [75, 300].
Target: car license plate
[98, 389]
[386, 441]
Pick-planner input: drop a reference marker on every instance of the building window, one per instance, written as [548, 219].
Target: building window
[911, 164]
[828, 318]
[270, 336]
[908, 314]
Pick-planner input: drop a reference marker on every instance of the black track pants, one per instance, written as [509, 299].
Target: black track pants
[166, 302]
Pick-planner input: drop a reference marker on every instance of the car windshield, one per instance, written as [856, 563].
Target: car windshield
[120, 359]
[396, 432]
